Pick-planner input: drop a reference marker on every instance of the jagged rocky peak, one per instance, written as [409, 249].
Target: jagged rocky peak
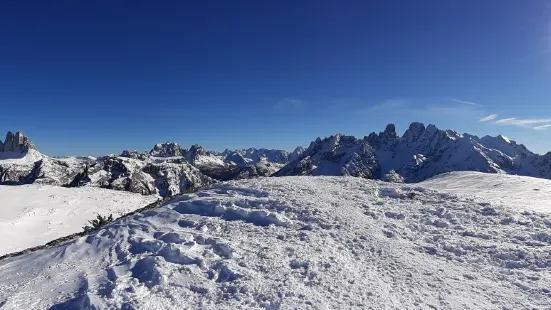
[194, 152]
[390, 132]
[504, 139]
[236, 158]
[414, 131]
[167, 149]
[383, 137]
[17, 143]
[296, 153]
[129, 154]
[133, 154]
[393, 177]
[335, 155]
[196, 149]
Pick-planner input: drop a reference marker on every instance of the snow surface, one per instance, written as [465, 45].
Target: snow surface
[297, 243]
[519, 192]
[32, 215]
[28, 157]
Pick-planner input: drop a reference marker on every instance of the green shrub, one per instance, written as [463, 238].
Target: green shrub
[98, 222]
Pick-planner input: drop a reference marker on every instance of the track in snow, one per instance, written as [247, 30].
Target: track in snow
[337, 243]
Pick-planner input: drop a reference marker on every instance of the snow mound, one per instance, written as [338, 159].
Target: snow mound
[33, 215]
[519, 192]
[297, 243]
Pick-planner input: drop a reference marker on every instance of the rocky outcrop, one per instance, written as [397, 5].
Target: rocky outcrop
[262, 168]
[134, 154]
[167, 149]
[294, 155]
[198, 156]
[47, 170]
[16, 143]
[165, 177]
[393, 177]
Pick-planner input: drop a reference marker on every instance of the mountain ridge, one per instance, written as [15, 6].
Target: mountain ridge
[168, 169]
[420, 153]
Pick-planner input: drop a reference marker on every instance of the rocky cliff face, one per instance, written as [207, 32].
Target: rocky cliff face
[167, 149]
[147, 177]
[16, 143]
[134, 154]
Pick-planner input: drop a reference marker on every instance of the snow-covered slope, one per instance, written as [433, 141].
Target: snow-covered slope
[26, 157]
[297, 243]
[32, 215]
[519, 192]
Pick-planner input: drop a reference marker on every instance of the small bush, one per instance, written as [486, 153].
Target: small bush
[98, 222]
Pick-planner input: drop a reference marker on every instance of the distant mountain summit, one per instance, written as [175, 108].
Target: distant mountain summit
[16, 143]
[420, 153]
[167, 149]
[335, 155]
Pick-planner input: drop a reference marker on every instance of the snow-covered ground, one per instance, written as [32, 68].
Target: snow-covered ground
[32, 215]
[29, 157]
[519, 192]
[297, 243]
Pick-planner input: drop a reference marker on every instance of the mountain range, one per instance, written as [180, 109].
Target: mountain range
[169, 169]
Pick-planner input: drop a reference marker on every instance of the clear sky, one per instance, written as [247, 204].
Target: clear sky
[96, 77]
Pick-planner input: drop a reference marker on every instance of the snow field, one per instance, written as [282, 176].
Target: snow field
[298, 243]
[33, 215]
[512, 191]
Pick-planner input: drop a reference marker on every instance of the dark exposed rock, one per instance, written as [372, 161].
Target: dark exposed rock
[134, 154]
[16, 143]
[167, 149]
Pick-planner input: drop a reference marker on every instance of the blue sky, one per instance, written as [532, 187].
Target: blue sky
[96, 77]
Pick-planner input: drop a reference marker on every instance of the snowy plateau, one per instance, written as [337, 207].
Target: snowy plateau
[306, 243]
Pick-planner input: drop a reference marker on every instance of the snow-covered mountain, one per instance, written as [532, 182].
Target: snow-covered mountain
[420, 153]
[133, 172]
[336, 155]
[300, 243]
[164, 177]
[252, 156]
[168, 169]
[22, 163]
